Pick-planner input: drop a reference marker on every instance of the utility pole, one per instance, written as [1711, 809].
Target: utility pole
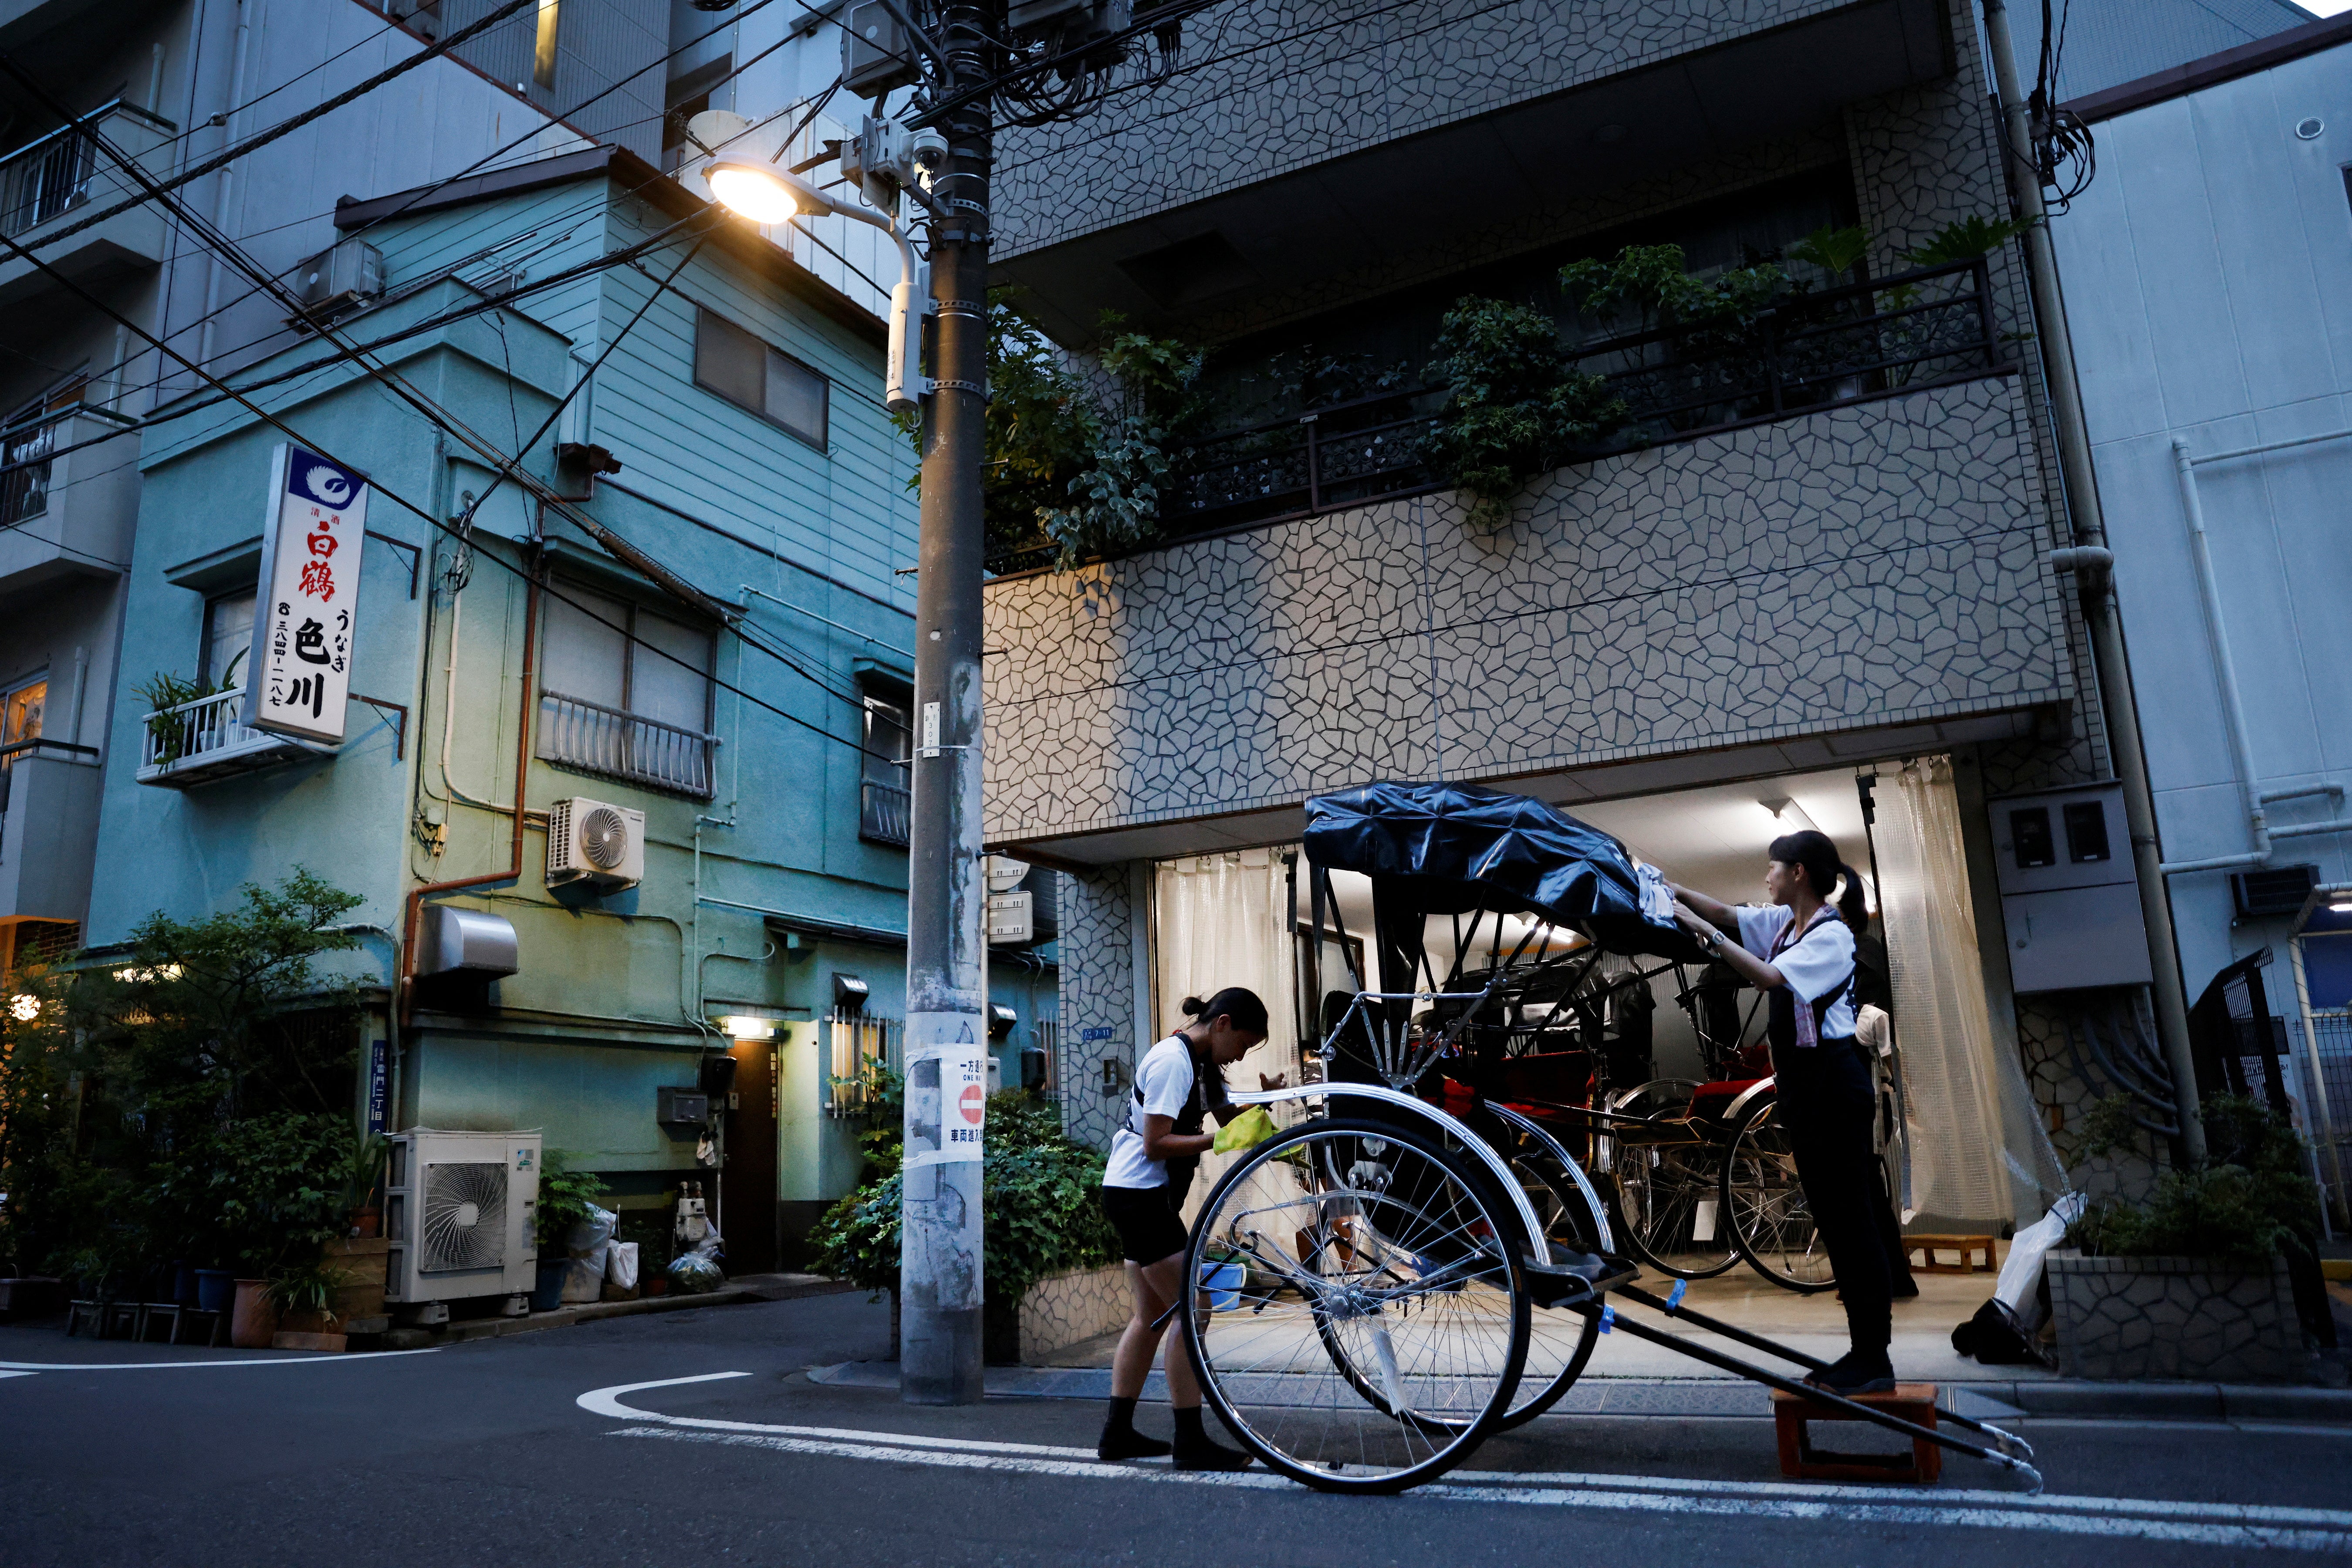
[940, 1282]
[2093, 565]
[1058, 63]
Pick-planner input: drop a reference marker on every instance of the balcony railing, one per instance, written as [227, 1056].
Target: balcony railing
[1810, 352]
[197, 743]
[884, 813]
[49, 177]
[576, 733]
[25, 491]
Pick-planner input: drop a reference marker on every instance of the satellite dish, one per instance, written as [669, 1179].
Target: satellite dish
[1004, 873]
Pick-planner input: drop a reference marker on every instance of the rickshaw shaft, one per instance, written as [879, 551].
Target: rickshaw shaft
[1854, 1408]
[1757, 1342]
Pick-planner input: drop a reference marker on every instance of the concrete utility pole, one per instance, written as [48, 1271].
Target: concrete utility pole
[940, 1283]
[2094, 574]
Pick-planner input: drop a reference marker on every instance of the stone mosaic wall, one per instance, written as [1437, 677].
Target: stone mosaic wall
[2174, 1317]
[1871, 565]
[1286, 84]
[1071, 1309]
[1097, 993]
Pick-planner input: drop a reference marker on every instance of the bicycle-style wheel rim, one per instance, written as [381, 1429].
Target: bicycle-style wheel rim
[1772, 1223]
[1382, 1322]
[1559, 1341]
[1659, 1217]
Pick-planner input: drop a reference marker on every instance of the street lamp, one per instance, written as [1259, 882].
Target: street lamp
[945, 1040]
[765, 193]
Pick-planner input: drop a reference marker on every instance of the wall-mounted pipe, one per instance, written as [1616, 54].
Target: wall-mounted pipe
[416, 896]
[2233, 711]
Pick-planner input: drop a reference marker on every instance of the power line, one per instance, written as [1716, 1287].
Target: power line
[434, 186]
[284, 127]
[263, 414]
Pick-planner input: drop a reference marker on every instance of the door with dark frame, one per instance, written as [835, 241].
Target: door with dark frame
[750, 1222]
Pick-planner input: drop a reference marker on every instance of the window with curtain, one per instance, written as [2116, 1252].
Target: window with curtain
[626, 692]
[228, 638]
[1219, 921]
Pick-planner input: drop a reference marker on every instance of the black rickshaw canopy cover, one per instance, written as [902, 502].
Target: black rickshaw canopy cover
[1449, 848]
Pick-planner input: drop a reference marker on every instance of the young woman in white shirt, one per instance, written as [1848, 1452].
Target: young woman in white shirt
[1798, 951]
[1179, 1083]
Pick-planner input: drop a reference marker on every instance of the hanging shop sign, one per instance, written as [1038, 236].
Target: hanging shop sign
[299, 677]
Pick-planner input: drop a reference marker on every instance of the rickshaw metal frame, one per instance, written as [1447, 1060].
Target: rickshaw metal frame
[1580, 1284]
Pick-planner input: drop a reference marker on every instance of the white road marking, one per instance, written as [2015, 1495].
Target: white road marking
[26, 1368]
[2240, 1525]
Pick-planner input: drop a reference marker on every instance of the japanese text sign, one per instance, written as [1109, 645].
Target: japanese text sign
[300, 675]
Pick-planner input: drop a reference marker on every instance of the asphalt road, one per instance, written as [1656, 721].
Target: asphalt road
[504, 1452]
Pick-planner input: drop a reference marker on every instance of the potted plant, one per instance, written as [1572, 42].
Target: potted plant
[2194, 1280]
[300, 1298]
[566, 1196]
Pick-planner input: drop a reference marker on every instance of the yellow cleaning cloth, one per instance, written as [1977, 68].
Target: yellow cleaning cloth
[1247, 1131]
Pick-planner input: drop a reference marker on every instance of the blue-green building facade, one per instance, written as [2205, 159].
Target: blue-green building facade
[748, 707]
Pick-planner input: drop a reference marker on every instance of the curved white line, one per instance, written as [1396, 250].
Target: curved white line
[316, 1358]
[607, 1402]
[2198, 1524]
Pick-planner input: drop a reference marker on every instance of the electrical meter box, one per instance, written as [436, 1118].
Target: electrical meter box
[2069, 893]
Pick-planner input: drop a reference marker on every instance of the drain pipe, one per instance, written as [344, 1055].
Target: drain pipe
[2233, 711]
[2095, 585]
[416, 896]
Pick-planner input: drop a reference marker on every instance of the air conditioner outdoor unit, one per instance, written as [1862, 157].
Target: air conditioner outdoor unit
[350, 273]
[459, 1212]
[589, 841]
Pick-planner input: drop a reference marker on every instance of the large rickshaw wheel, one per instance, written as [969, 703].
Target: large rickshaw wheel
[1381, 1323]
[1666, 1177]
[1559, 1341]
[1772, 1223]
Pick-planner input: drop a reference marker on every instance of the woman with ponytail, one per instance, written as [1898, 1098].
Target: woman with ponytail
[1179, 1084]
[1798, 951]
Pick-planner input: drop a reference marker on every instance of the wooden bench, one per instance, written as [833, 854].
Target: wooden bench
[1924, 1248]
[1793, 1415]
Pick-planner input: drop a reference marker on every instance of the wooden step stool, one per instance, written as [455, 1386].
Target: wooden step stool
[1969, 1247]
[1800, 1461]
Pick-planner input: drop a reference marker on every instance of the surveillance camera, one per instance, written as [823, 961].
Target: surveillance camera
[928, 148]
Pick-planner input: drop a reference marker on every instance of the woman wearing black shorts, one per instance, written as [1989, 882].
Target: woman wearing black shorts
[1152, 1157]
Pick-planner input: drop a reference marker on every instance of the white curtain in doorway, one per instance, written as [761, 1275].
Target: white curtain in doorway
[1979, 1151]
[1219, 921]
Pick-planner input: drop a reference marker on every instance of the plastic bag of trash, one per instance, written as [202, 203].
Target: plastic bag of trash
[621, 1271]
[694, 1273]
[589, 1243]
[1247, 1131]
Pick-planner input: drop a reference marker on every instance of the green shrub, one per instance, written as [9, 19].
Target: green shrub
[1513, 409]
[1038, 1194]
[2249, 1201]
[564, 1195]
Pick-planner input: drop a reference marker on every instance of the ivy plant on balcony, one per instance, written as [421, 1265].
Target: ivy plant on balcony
[1513, 409]
[1075, 464]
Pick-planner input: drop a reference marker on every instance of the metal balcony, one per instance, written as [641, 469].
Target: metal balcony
[71, 509]
[201, 741]
[54, 180]
[884, 813]
[575, 733]
[48, 828]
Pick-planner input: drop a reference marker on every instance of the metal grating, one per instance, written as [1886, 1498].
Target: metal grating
[465, 1217]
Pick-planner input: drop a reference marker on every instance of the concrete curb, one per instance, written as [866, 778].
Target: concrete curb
[749, 1288]
[1717, 1397]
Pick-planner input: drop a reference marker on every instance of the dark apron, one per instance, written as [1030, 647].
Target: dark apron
[1189, 1123]
[1780, 1020]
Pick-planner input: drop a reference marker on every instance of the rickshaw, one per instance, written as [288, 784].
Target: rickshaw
[1424, 1259]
